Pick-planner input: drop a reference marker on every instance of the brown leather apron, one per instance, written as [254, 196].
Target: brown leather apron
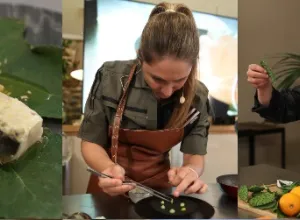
[144, 154]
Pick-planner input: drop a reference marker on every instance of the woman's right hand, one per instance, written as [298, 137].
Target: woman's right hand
[114, 187]
[258, 77]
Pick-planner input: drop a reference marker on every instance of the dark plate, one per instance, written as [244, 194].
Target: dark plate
[195, 208]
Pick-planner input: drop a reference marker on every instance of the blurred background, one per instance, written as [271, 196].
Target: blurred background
[262, 36]
[96, 31]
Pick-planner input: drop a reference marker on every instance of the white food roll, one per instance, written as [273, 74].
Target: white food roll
[20, 124]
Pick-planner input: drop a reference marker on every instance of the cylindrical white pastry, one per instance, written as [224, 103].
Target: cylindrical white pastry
[20, 127]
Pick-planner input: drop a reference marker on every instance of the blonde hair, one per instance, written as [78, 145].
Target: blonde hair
[171, 31]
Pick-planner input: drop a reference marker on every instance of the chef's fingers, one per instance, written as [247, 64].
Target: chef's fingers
[180, 175]
[171, 174]
[203, 189]
[255, 74]
[118, 190]
[257, 68]
[195, 187]
[184, 184]
[257, 81]
[117, 172]
[108, 182]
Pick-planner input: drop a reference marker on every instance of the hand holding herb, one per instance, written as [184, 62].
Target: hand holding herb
[258, 77]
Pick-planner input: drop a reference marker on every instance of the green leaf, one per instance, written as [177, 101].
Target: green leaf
[256, 188]
[261, 199]
[41, 65]
[288, 68]
[31, 186]
[268, 206]
[39, 99]
[274, 209]
[280, 214]
[243, 193]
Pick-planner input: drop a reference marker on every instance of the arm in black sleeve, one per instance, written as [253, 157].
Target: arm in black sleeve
[284, 106]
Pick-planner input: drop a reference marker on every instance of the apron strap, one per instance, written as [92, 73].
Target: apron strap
[119, 114]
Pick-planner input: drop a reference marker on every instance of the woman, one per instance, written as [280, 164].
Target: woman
[137, 110]
[282, 107]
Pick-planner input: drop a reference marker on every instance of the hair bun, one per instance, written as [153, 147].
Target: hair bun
[168, 7]
[181, 8]
[158, 9]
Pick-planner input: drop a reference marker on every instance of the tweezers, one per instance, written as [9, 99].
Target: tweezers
[141, 186]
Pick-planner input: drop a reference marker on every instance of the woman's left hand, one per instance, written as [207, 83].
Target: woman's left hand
[186, 180]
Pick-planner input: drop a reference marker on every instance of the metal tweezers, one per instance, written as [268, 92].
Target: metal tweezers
[141, 186]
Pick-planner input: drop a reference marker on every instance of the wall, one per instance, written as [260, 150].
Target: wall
[73, 19]
[74, 14]
[226, 8]
[266, 28]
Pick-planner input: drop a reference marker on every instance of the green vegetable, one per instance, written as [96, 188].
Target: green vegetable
[267, 189]
[280, 214]
[182, 204]
[243, 193]
[163, 207]
[268, 69]
[287, 188]
[278, 195]
[183, 209]
[172, 201]
[268, 206]
[255, 194]
[256, 188]
[274, 210]
[262, 199]
[172, 211]
[162, 202]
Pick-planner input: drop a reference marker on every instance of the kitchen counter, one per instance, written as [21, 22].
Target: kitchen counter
[122, 208]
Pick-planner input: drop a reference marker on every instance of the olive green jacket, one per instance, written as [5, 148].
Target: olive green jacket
[142, 110]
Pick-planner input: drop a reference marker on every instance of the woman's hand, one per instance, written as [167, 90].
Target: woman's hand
[259, 79]
[114, 187]
[186, 180]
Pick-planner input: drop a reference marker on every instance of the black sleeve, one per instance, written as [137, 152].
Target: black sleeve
[284, 106]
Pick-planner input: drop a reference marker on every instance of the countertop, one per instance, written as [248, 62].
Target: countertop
[122, 208]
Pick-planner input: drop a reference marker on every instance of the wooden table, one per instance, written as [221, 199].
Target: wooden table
[263, 174]
[122, 208]
[253, 129]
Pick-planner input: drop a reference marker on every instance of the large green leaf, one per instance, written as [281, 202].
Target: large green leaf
[37, 97]
[40, 66]
[31, 187]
